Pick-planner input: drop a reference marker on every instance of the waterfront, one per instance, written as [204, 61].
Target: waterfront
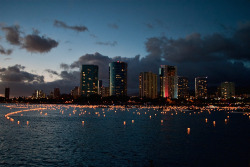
[68, 135]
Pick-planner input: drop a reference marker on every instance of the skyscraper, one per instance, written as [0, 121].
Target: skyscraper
[39, 94]
[148, 85]
[168, 81]
[227, 90]
[105, 91]
[75, 92]
[89, 80]
[56, 94]
[201, 87]
[100, 87]
[7, 93]
[183, 89]
[118, 78]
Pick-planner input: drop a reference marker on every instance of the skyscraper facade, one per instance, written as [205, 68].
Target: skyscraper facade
[7, 93]
[56, 94]
[148, 85]
[89, 80]
[201, 87]
[75, 92]
[118, 78]
[227, 90]
[105, 91]
[39, 94]
[183, 89]
[100, 87]
[168, 82]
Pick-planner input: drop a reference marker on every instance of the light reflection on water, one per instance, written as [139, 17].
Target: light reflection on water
[58, 139]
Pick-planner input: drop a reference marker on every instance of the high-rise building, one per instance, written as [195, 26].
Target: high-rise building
[39, 94]
[100, 87]
[201, 87]
[56, 94]
[183, 89]
[7, 93]
[148, 85]
[89, 80]
[118, 78]
[75, 92]
[168, 82]
[227, 90]
[105, 91]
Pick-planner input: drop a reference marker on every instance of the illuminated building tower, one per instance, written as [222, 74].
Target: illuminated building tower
[105, 91]
[148, 85]
[183, 89]
[100, 87]
[168, 81]
[75, 92]
[118, 78]
[227, 90]
[89, 80]
[56, 93]
[201, 87]
[7, 93]
[39, 94]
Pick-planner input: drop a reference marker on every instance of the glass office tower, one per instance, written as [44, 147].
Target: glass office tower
[118, 78]
[89, 80]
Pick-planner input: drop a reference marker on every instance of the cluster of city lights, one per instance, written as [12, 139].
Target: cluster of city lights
[78, 110]
[8, 116]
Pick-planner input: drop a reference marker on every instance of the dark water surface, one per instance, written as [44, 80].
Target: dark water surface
[58, 139]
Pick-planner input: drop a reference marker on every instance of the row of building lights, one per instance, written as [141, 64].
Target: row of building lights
[171, 86]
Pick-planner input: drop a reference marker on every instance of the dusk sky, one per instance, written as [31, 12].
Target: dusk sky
[44, 42]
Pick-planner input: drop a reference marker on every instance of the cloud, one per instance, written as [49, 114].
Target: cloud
[23, 83]
[113, 26]
[155, 24]
[64, 66]
[195, 48]
[35, 43]
[17, 74]
[32, 43]
[149, 25]
[93, 35]
[51, 72]
[4, 51]
[107, 43]
[219, 57]
[12, 34]
[7, 59]
[61, 24]
[35, 31]
[73, 76]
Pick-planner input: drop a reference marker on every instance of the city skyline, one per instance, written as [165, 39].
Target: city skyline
[45, 46]
[172, 86]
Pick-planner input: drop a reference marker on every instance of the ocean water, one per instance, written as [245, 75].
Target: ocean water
[57, 136]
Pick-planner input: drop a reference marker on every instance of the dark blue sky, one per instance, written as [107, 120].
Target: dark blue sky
[43, 42]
